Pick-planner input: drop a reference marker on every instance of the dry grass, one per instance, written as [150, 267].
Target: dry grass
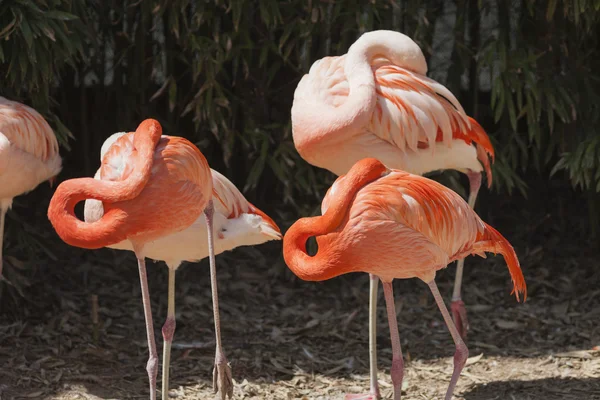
[288, 339]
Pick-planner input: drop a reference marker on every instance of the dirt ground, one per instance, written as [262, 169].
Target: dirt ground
[288, 339]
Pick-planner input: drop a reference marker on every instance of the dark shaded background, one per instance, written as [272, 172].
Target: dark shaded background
[223, 74]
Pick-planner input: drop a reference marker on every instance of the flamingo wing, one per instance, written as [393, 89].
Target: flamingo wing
[437, 213]
[27, 130]
[422, 205]
[227, 198]
[412, 109]
[413, 112]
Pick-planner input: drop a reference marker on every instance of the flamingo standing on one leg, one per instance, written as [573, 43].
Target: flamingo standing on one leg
[236, 223]
[395, 225]
[28, 155]
[151, 186]
[375, 101]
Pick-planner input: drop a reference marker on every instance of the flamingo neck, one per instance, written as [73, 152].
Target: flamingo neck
[112, 227]
[327, 263]
[399, 49]
[316, 127]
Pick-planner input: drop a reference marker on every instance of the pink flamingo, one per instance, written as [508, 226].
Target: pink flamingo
[28, 155]
[151, 186]
[236, 223]
[395, 225]
[375, 101]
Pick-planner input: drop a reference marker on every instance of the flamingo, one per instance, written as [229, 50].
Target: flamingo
[236, 222]
[28, 155]
[395, 225]
[375, 101]
[151, 186]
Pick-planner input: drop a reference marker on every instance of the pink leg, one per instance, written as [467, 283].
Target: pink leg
[462, 353]
[168, 330]
[152, 366]
[222, 378]
[397, 371]
[2, 214]
[459, 312]
[374, 392]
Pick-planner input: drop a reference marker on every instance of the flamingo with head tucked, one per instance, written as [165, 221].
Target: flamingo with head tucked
[236, 223]
[151, 186]
[28, 155]
[375, 101]
[395, 225]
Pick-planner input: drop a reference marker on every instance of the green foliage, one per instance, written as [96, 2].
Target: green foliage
[545, 87]
[223, 73]
[37, 38]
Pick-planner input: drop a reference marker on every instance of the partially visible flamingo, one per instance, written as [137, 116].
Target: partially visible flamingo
[393, 224]
[28, 155]
[375, 101]
[151, 186]
[236, 223]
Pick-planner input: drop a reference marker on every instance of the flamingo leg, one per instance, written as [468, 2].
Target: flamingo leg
[462, 352]
[152, 365]
[222, 378]
[2, 214]
[373, 286]
[459, 312]
[374, 393]
[397, 371]
[168, 330]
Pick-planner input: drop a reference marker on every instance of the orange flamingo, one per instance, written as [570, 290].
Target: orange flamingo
[150, 187]
[375, 101]
[28, 155]
[236, 221]
[393, 224]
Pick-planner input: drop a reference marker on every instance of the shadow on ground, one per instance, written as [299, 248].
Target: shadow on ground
[538, 389]
[288, 339]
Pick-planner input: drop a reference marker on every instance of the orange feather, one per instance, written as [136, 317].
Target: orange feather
[394, 225]
[151, 187]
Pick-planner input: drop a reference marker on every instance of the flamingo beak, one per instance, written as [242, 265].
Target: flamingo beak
[52, 181]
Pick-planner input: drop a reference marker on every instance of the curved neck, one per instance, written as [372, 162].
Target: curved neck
[145, 139]
[399, 49]
[325, 264]
[112, 227]
[312, 123]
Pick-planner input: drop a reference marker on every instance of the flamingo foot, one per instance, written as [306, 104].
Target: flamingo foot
[222, 378]
[459, 316]
[372, 395]
[367, 396]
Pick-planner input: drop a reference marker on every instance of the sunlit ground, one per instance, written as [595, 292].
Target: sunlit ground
[288, 339]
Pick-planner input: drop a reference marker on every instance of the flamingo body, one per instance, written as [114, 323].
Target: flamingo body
[375, 101]
[393, 224]
[396, 226]
[150, 186]
[236, 222]
[28, 154]
[408, 121]
[174, 195]
[28, 150]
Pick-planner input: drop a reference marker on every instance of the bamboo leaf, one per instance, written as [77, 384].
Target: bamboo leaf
[511, 111]
[60, 15]
[26, 31]
[550, 10]
[172, 94]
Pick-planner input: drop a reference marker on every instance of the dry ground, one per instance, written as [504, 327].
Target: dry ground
[288, 339]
